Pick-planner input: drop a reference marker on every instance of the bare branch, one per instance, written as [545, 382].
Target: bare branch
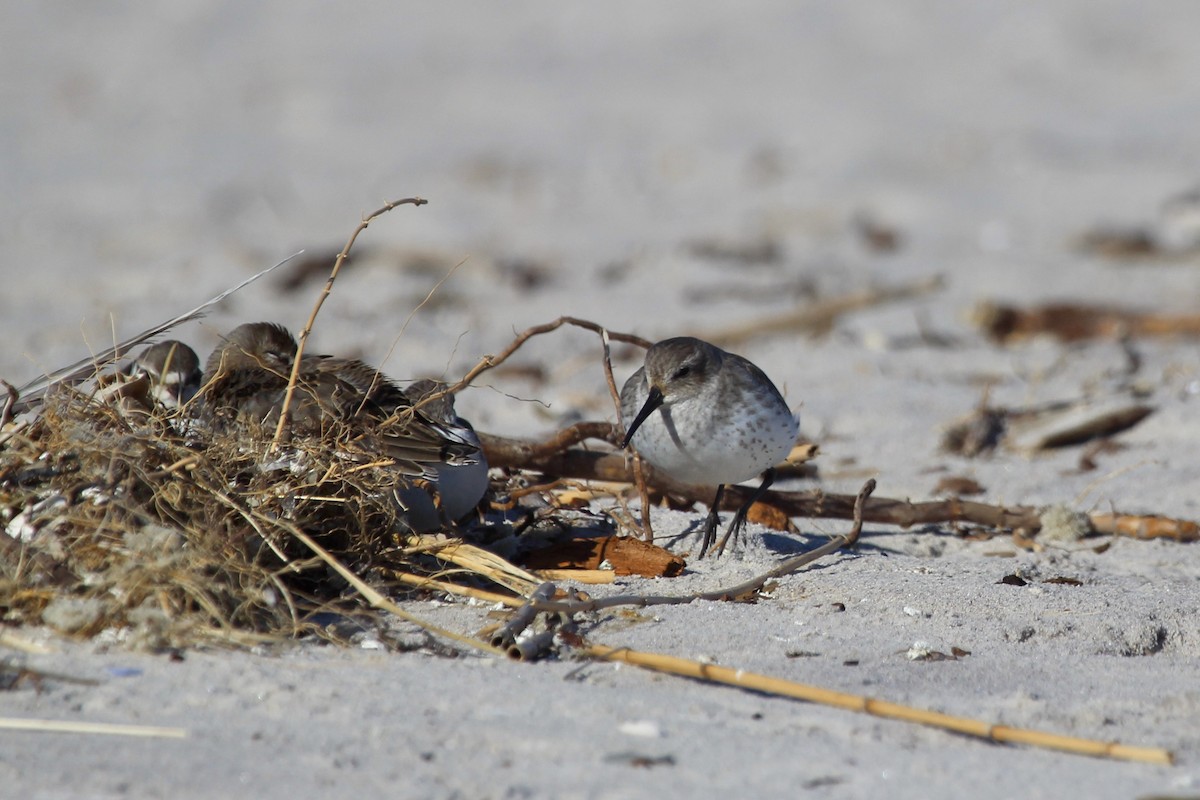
[312, 318]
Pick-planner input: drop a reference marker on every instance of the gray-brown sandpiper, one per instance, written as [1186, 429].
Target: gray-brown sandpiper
[173, 370]
[461, 486]
[246, 379]
[719, 421]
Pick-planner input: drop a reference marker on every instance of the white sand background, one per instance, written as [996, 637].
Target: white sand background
[151, 156]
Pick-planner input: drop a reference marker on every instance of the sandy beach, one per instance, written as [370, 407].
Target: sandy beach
[661, 170]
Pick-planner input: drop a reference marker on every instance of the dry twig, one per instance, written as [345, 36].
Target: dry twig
[69, 726]
[312, 318]
[491, 362]
[880, 708]
[1145, 527]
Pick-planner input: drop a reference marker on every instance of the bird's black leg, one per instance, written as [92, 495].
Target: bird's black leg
[711, 522]
[739, 519]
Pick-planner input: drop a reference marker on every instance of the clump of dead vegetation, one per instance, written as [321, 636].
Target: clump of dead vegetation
[125, 518]
[120, 519]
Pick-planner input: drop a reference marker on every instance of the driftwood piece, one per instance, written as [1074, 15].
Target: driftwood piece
[1075, 425]
[547, 457]
[1146, 527]
[1030, 430]
[544, 457]
[1073, 322]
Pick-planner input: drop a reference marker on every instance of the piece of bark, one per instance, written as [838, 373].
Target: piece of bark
[1074, 425]
[979, 432]
[626, 555]
[769, 516]
[1073, 322]
[958, 485]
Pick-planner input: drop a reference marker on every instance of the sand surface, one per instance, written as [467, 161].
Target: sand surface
[588, 161]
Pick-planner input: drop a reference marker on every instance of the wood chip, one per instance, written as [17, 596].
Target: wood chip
[1074, 425]
[626, 555]
[1074, 322]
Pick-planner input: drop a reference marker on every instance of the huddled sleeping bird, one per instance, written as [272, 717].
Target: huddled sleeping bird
[246, 379]
[461, 486]
[172, 370]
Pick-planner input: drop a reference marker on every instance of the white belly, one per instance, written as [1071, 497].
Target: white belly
[692, 444]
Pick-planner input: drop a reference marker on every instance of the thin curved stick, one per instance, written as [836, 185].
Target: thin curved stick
[312, 318]
[491, 362]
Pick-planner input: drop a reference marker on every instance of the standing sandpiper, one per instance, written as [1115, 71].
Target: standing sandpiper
[720, 420]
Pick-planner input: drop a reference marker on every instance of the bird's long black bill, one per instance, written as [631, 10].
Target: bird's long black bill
[653, 401]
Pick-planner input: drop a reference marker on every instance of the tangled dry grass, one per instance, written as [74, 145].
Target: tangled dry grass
[119, 519]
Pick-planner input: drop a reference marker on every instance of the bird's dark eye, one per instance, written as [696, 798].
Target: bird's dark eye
[683, 372]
